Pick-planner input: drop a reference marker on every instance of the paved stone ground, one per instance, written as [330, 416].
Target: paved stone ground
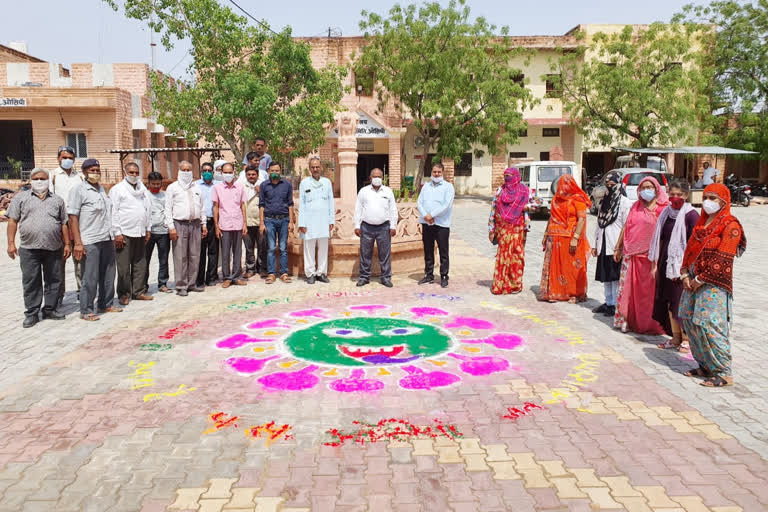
[329, 397]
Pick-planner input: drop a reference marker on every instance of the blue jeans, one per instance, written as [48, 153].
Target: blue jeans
[277, 228]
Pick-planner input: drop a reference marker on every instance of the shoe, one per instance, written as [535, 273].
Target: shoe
[196, 289]
[610, 311]
[386, 282]
[362, 282]
[182, 293]
[427, 279]
[263, 275]
[53, 315]
[226, 283]
[124, 300]
[323, 278]
[30, 321]
[311, 280]
[111, 309]
[165, 289]
[239, 282]
[444, 281]
[143, 296]
[249, 274]
[271, 279]
[602, 308]
[210, 283]
[285, 278]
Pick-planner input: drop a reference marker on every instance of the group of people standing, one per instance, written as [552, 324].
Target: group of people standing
[665, 268]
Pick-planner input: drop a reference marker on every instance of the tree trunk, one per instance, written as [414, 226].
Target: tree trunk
[425, 164]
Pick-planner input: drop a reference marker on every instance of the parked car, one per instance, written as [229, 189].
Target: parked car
[539, 177]
[633, 161]
[631, 178]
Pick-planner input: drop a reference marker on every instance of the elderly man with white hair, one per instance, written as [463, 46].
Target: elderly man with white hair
[41, 219]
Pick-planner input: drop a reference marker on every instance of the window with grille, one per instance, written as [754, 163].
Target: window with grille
[513, 155]
[553, 87]
[463, 168]
[550, 132]
[78, 142]
[518, 78]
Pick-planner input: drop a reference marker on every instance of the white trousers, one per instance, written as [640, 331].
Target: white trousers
[310, 267]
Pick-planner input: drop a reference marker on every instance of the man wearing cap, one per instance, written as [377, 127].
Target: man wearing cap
[185, 218]
[41, 219]
[90, 219]
[63, 179]
[131, 228]
[208, 269]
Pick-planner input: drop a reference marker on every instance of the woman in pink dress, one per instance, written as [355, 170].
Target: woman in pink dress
[637, 286]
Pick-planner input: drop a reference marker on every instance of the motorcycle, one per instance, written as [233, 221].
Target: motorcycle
[741, 193]
[760, 190]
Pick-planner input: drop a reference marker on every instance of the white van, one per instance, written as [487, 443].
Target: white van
[628, 161]
[540, 175]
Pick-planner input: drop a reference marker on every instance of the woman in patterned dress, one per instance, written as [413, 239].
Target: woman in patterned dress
[564, 273]
[706, 307]
[506, 226]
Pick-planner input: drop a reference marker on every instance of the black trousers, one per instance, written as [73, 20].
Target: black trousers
[207, 273]
[98, 266]
[255, 251]
[42, 273]
[231, 250]
[430, 235]
[380, 235]
[163, 242]
[131, 267]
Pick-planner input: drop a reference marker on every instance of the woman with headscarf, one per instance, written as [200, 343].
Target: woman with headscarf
[506, 227]
[637, 284]
[673, 229]
[564, 273]
[611, 217]
[707, 274]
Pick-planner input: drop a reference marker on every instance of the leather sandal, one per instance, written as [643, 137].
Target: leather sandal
[285, 278]
[717, 382]
[90, 317]
[270, 279]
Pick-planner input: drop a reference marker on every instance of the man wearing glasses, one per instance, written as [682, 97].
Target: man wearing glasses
[63, 179]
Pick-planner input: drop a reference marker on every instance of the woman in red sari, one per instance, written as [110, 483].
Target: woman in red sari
[637, 286]
[564, 274]
[506, 227]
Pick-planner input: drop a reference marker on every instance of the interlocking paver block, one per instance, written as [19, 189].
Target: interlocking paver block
[469, 446]
[567, 488]
[534, 478]
[476, 462]
[423, 447]
[497, 453]
[242, 497]
[264, 504]
[449, 455]
[586, 477]
[219, 488]
[187, 499]
[620, 486]
[504, 471]
[524, 461]
[691, 503]
[713, 431]
[634, 504]
[601, 497]
[656, 496]
[553, 467]
[212, 505]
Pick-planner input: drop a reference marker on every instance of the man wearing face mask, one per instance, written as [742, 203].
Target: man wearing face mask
[159, 233]
[207, 272]
[90, 219]
[275, 220]
[217, 177]
[435, 207]
[255, 253]
[229, 218]
[131, 228]
[185, 219]
[41, 219]
[375, 221]
[63, 179]
[317, 215]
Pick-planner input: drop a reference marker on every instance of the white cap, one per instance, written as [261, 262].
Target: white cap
[217, 164]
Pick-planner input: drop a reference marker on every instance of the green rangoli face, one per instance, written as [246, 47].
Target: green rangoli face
[367, 342]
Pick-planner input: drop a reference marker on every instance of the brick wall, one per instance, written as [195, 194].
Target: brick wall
[82, 75]
[395, 161]
[448, 173]
[498, 165]
[568, 141]
[133, 78]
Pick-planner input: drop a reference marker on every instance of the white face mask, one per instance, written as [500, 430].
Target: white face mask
[228, 177]
[217, 176]
[376, 182]
[39, 186]
[437, 179]
[131, 179]
[185, 177]
[67, 164]
[648, 194]
[710, 206]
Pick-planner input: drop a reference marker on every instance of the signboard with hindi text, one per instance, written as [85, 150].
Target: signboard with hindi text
[367, 128]
[13, 102]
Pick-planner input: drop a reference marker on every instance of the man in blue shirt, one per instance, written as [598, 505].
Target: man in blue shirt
[275, 218]
[209, 246]
[435, 208]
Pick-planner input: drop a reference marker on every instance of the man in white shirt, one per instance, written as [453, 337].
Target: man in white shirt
[375, 221]
[185, 219]
[131, 228]
[63, 179]
[709, 175]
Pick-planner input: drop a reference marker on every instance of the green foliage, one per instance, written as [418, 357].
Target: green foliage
[450, 74]
[249, 82]
[647, 87]
[16, 165]
[740, 60]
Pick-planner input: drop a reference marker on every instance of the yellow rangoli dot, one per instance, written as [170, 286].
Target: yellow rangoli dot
[435, 320]
[271, 333]
[302, 321]
[465, 333]
[383, 371]
[437, 363]
[331, 372]
[288, 364]
[471, 349]
[259, 349]
[395, 314]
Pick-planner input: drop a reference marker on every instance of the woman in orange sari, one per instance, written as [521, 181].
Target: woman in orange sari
[564, 274]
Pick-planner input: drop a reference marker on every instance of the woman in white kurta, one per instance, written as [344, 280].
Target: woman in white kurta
[611, 217]
[317, 214]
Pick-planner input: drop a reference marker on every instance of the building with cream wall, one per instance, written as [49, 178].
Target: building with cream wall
[96, 107]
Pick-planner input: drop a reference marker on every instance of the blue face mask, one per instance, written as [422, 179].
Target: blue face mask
[648, 194]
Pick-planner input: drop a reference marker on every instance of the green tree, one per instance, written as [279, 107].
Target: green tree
[450, 75]
[646, 86]
[249, 81]
[740, 60]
